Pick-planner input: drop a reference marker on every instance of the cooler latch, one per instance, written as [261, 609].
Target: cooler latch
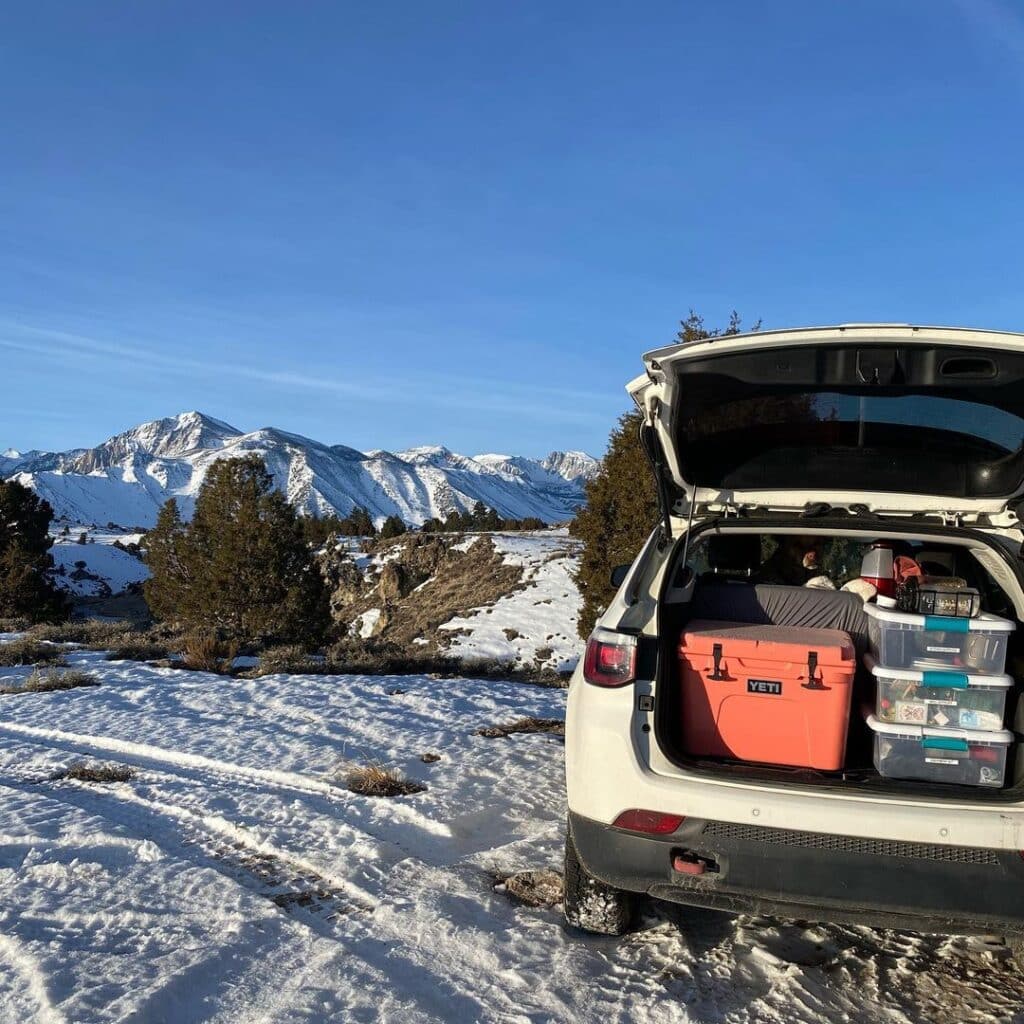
[813, 682]
[716, 653]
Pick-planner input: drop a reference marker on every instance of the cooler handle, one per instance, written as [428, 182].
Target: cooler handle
[946, 680]
[813, 683]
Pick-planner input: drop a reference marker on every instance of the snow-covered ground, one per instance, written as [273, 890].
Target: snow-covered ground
[232, 879]
[538, 619]
[106, 568]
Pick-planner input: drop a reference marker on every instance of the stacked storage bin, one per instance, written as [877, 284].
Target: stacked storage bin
[941, 696]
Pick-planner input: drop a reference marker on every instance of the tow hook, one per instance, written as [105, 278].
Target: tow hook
[685, 862]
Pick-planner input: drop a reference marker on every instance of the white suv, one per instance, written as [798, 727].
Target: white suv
[851, 434]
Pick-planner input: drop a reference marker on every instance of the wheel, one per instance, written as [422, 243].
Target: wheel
[591, 905]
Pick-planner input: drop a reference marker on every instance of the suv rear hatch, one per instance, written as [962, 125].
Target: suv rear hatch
[888, 419]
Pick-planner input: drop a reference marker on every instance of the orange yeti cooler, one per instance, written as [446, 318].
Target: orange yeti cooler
[774, 694]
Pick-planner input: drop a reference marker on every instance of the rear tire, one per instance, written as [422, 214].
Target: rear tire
[589, 904]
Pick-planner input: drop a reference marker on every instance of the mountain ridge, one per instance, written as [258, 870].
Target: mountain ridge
[126, 478]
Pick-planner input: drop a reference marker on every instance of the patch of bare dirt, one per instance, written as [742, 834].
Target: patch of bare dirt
[553, 726]
[532, 888]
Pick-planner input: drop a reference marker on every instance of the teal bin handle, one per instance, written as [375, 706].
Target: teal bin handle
[944, 743]
[946, 623]
[945, 680]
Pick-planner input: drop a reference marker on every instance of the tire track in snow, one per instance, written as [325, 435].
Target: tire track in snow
[107, 745]
[254, 977]
[436, 982]
[292, 883]
[435, 842]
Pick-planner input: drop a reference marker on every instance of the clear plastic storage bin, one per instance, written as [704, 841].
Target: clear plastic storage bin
[964, 757]
[939, 699]
[906, 640]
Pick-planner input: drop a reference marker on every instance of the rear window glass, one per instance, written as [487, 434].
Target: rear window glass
[921, 444]
[986, 423]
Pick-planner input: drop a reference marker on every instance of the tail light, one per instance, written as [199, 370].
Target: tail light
[651, 823]
[610, 659]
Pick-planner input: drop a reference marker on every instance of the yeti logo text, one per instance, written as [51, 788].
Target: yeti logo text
[771, 686]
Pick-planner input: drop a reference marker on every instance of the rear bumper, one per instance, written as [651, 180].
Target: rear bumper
[814, 876]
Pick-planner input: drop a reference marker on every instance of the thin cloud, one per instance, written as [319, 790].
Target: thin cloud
[450, 393]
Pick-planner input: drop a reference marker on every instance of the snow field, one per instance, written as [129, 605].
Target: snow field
[112, 565]
[233, 880]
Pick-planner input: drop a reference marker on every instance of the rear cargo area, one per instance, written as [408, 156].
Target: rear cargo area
[734, 580]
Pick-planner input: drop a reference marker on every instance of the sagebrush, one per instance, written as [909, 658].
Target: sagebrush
[43, 682]
[207, 652]
[26, 651]
[377, 780]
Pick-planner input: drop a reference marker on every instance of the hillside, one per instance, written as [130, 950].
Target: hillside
[500, 597]
[508, 598]
[125, 479]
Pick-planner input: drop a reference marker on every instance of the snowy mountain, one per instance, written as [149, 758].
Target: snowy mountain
[125, 479]
[571, 465]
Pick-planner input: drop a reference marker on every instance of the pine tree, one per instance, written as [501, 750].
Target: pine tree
[319, 529]
[26, 566]
[458, 522]
[242, 566]
[393, 527]
[622, 507]
[484, 518]
[361, 523]
[168, 563]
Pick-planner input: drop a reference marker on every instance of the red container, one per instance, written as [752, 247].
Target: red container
[773, 694]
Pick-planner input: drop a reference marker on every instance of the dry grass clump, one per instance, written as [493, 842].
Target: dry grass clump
[384, 658]
[376, 780]
[290, 659]
[139, 649]
[554, 726]
[92, 633]
[14, 625]
[376, 657]
[206, 652]
[26, 651]
[95, 771]
[44, 682]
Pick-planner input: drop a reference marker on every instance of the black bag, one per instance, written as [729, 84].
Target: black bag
[938, 595]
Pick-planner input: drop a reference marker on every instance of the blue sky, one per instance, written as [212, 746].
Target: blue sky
[404, 223]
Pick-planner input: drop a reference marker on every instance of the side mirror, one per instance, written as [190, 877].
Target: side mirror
[618, 574]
